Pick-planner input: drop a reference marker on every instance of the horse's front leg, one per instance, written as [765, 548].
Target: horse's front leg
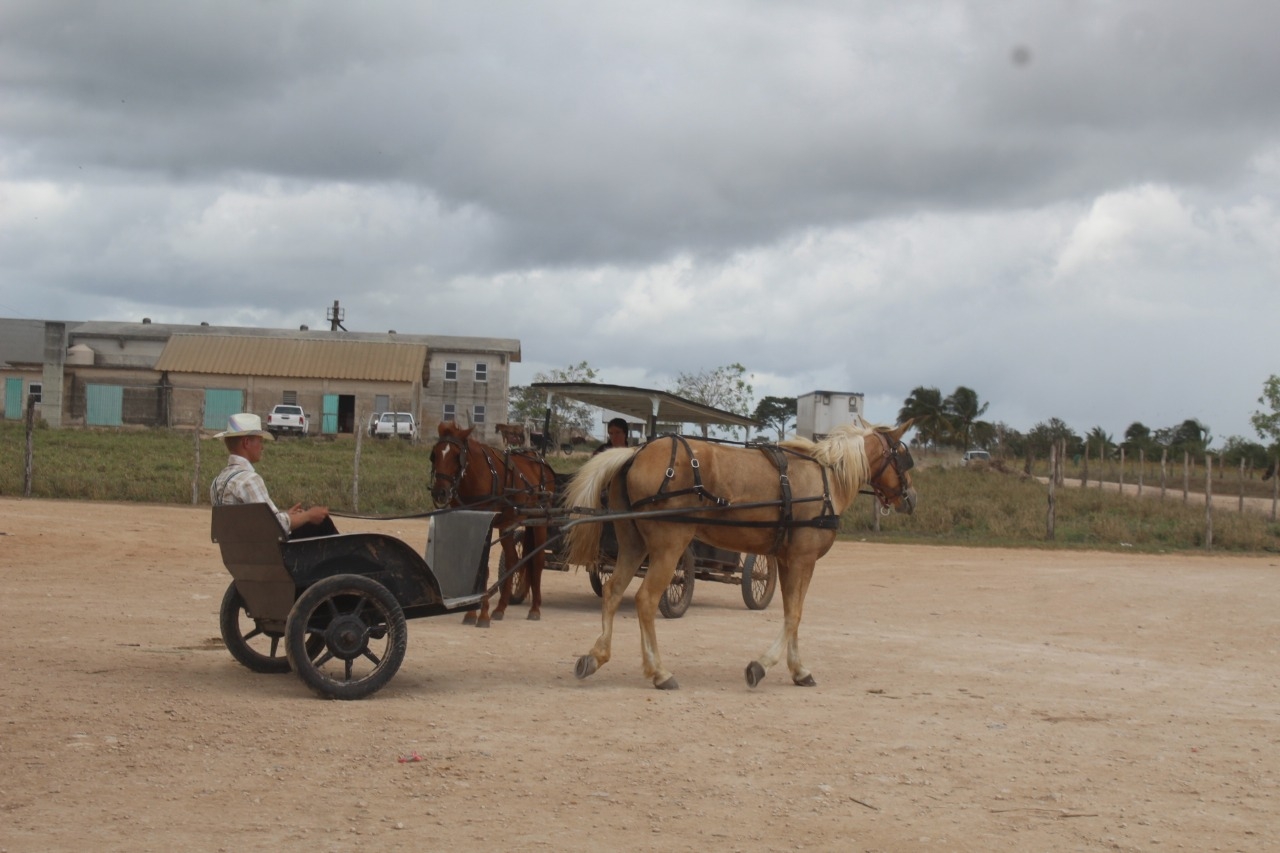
[794, 579]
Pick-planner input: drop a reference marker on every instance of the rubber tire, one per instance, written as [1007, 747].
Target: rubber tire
[599, 575]
[368, 593]
[679, 593]
[758, 592]
[238, 643]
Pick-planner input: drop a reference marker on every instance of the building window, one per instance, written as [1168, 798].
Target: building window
[451, 371]
[482, 372]
[36, 391]
[853, 404]
[450, 412]
[290, 398]
[477, 415]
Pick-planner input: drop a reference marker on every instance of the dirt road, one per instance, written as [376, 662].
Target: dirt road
[967, 699]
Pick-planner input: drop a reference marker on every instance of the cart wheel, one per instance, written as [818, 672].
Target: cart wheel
[676, 597]
[249, 643]
[759, 579]
[519, 581]
[600, 575]
[363, 632]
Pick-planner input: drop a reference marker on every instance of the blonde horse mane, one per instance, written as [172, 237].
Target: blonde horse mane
[843, 452]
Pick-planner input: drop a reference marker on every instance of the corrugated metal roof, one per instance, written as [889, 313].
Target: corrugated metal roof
[241, 355]
[509, 347]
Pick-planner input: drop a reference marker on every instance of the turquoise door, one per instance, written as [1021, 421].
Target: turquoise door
[220, 404]
[329, 415]
[13, 408]
[103, 405]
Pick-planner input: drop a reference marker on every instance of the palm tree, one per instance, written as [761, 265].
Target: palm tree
[1099, 438]
[925, 407]
[963, 411]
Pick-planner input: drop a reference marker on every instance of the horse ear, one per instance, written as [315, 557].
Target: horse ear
[901, 429]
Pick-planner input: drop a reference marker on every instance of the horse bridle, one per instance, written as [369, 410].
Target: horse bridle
[452, 483]
[899, 458]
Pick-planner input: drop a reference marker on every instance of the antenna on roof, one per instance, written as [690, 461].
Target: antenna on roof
[335, 316]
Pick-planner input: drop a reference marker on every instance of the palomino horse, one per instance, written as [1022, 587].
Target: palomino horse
[784, 500]
[465, 472]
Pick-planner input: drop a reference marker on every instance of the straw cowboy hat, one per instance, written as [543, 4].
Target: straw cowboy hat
[244, 424]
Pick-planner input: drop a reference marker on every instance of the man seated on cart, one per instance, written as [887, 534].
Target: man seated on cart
[239, 483]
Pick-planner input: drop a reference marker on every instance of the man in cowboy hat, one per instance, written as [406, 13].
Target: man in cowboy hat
[238, 483]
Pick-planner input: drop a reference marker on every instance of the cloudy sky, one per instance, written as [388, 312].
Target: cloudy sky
[1070, 206]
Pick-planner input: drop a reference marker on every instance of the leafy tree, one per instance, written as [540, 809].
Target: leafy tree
[776, 413]
[1137, 438]
[1190, 436]
[1267, 424]
[724, 388]
[1236, 449]
[1043, 435]
[925, 406]
[962, 410]
[527, 404]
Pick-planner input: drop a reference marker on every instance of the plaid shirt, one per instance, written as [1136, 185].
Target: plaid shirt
[238, 483]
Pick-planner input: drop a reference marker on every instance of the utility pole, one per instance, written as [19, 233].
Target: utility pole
[335, 316]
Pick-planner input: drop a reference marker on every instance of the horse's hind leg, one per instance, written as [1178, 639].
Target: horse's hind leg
[536, 538]
[630, 555]
[662, 567]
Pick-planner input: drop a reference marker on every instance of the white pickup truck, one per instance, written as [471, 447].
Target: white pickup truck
[288, 420]
[388, 424]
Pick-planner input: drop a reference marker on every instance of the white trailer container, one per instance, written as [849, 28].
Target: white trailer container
[819, 412]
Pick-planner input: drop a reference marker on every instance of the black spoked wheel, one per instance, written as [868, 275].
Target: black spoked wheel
[600, 574]
[258, 648]
[362, 631]
[676, 597]
[759, 579]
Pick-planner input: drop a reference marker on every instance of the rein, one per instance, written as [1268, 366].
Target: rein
[504, 490]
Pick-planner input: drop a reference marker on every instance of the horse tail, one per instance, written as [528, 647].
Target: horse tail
[585, 491]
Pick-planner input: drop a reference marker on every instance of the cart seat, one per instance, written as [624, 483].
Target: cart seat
[250, 539]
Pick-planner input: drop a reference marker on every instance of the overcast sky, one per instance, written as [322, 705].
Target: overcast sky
[1069, 206]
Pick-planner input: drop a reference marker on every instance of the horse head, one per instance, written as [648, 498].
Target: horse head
[448, 463]
[891, 461]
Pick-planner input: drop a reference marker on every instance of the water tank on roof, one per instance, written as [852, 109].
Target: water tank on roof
[80, 355]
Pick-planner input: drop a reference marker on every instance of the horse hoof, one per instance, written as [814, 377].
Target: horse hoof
[586, 666]
[807, 681]
[497, 615]
[669, 684]
[755, 673]
[469, 619]
[534, 616]
[482, 623]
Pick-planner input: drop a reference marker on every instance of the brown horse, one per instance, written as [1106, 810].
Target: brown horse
[466, 472]
[784, 500]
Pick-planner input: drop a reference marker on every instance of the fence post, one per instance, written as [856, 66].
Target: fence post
[195, 477]
[1186, 475]
[1053, 495]
[1208, 501]
[1142, 463]
[1242, 487]
[1275, 487]
[1120, 478]
[1164, 461]
[355, 476]
[28, 459]
[1084, 471]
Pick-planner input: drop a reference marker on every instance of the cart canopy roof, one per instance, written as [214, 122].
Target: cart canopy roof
[646, 404]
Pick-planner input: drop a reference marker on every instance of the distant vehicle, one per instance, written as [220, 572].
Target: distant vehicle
[975, 456]
[288, 420]
[395, 423]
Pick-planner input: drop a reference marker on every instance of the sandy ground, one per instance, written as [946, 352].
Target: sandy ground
[967, 699]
